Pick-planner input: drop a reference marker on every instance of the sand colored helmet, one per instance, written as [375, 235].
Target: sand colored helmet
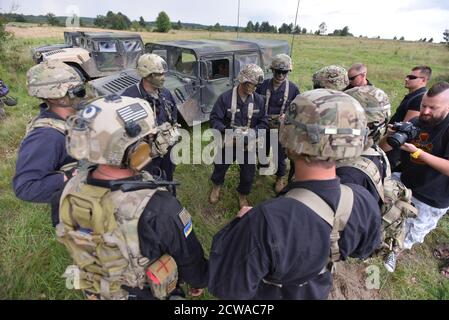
[377, 107]
[151, 63]
[331, 77]
[52, 80]
[282, 62]
[114, 131]
[251, 73]
[324, 124]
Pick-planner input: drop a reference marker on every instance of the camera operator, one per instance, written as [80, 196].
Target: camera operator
[425, 161]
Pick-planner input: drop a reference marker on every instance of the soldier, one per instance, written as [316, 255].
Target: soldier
[279, 92]
[127, 235]
[43, 165]
[331, 77]
[239, 110]
[152, 69]
[378, 111]
[284, 248]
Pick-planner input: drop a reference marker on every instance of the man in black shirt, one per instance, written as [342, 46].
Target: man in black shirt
[284, 248]
[425, 164]
[409, 108]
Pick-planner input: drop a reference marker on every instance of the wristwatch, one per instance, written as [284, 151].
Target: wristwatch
[416, 154]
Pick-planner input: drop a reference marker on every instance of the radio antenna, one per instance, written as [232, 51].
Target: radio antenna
[238, 20]
[296, 25]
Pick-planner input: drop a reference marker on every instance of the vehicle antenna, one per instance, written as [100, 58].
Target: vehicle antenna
[238, 20]
[296, 24]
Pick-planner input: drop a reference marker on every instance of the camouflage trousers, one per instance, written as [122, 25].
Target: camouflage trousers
[427, 220]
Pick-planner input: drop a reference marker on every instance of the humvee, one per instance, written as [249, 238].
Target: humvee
[100, 54]
[199, 71]
[71, 39]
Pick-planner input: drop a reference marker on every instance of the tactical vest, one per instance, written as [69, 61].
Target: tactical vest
[274, 119]
[99, 228]
[396, 197]
[57, 124]
[336, 219]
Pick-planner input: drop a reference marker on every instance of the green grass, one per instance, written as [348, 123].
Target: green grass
[32, 261]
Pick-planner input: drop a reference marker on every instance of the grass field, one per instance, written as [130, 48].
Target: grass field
[31, 261]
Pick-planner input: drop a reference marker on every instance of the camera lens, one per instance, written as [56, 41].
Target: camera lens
[397, 140]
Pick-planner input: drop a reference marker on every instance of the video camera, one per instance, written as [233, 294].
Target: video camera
[405, 131]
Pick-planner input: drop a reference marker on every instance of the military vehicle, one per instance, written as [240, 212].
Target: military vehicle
[199, 71]
[100, 54]
[71, 39]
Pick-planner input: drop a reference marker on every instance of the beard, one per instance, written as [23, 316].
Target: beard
[430, 120]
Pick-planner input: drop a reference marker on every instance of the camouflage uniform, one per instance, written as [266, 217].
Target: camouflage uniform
[331, 77]
[114, 235]
[42, 153]
[280, 249]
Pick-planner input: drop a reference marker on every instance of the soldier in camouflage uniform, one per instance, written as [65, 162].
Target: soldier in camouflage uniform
[279, 92]
[242, 110]
[128, 236]
[152, 69]
[41, 170]
[331, 77]
[283, 248]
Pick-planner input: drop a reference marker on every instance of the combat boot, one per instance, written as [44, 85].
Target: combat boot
[280, 184]
[215, 194]
[243, 202]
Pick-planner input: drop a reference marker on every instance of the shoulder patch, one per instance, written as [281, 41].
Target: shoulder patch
[186, 220]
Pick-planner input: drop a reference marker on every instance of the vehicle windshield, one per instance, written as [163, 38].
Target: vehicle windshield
[132, 45]
[180, 61]
[107, 46]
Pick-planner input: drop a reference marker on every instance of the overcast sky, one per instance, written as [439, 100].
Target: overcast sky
[413, 19]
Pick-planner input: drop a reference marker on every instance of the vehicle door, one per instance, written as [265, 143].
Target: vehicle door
[216, 78]
[107, 55]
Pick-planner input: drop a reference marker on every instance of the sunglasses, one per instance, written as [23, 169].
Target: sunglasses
[353, 78]
[412, 77]
[284, 72]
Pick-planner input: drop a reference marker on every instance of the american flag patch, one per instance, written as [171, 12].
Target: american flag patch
[133, 112]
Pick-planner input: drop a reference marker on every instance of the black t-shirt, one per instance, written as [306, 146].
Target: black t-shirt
[411, 102]
[286, 242]
[428, 185]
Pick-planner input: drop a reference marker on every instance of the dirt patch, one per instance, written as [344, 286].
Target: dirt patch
[350, 284]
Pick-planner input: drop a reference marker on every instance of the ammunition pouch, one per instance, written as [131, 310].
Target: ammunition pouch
[162, 276]
[168, 135]
[273, 121]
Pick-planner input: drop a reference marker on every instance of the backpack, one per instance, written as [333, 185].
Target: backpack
[396, 198]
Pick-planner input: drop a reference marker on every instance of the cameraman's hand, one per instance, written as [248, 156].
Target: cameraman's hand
[390, 130]
[410, 148]
[244, 211]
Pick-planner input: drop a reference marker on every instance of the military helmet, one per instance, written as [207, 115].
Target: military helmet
[377, 107]
[52, 80]
[331, 77]
[151, 63]
[375, 102]
[282, 62]
[104, 131]
[324, 124]
[251, 73]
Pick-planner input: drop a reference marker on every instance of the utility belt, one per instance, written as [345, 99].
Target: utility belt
[242, 136]
[167, 136]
